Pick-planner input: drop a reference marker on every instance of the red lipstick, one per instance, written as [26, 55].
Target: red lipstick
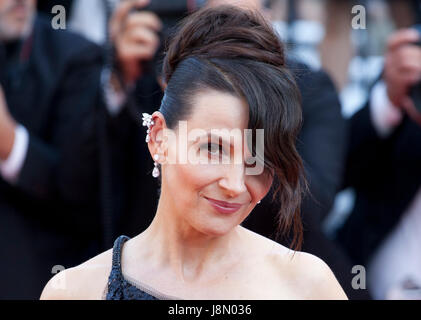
[223, 206]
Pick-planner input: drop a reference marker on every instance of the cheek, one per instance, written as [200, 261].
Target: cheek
[193, 177]
[259, 186]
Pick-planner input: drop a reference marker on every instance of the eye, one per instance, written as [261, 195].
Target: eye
[213, 148]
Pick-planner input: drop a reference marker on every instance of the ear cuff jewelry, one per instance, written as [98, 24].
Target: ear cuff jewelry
[147, 122]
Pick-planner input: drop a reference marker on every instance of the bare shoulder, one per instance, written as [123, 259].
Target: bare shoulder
[315, 279]
[306, 276]
[86, 281]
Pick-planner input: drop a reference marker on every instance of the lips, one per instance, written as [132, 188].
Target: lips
[223, 206]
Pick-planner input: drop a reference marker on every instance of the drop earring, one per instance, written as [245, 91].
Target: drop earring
[155, 171]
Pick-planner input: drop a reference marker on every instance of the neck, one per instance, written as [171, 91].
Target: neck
[173, 243]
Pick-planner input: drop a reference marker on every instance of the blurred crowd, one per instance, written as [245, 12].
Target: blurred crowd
[74, 166]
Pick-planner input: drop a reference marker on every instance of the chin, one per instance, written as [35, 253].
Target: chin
[216, 231]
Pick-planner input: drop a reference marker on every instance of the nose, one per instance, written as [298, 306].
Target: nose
[233, 181]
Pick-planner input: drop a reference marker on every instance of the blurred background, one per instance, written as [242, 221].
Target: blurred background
[75, 170]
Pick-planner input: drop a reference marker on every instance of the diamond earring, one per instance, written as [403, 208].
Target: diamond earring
[155, 171]
[258, 202]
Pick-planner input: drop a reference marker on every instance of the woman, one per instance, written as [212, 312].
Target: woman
[224, 69]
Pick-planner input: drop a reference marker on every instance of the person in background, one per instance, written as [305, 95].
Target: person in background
[383, 165]
[133, 89]
[49, 92]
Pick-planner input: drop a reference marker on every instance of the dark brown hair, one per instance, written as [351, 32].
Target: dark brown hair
[236, 51]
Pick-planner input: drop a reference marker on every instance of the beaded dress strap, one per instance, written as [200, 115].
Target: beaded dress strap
[118, 244]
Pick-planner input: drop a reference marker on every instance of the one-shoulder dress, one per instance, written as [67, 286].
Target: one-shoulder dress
[119, 287]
